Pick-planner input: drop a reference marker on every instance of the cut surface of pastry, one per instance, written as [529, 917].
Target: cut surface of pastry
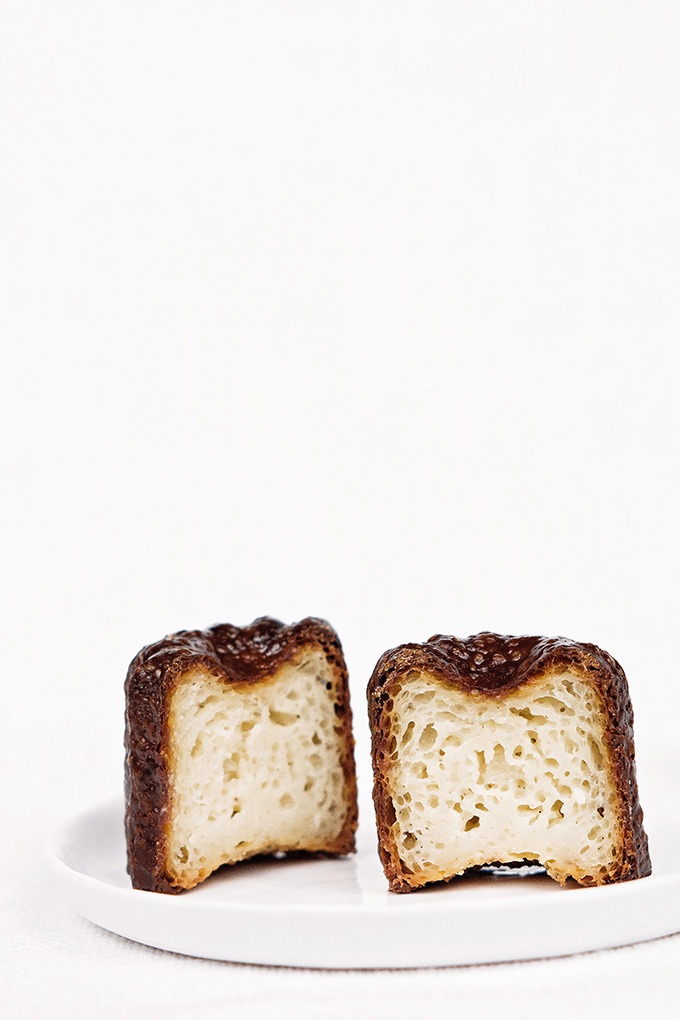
[239, 743]
[501, 750]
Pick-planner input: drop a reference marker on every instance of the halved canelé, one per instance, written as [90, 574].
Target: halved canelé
[238, 743]
[498, 750]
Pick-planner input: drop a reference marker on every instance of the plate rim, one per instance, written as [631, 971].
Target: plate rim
[373, 908]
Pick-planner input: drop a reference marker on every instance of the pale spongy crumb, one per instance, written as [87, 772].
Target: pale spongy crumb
[253, 768]
[477, 780]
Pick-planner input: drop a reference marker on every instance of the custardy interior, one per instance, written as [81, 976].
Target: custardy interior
[253, 768]
[478, 780]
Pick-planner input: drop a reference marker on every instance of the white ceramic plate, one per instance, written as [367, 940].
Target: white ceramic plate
[337, 913]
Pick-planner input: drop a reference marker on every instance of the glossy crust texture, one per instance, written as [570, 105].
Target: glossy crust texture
[494, 665]
[235, 655]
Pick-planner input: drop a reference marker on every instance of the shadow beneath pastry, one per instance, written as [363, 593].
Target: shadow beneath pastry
[284, 879]
[515, 874]
[278, 859]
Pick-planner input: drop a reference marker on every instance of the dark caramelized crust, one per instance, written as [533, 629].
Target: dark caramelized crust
[236, 656]
[494, 665]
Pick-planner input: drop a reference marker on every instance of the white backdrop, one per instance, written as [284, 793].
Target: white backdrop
[360, 310]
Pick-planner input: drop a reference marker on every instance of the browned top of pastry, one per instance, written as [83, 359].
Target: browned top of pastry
[237, 654]
[492, 664]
